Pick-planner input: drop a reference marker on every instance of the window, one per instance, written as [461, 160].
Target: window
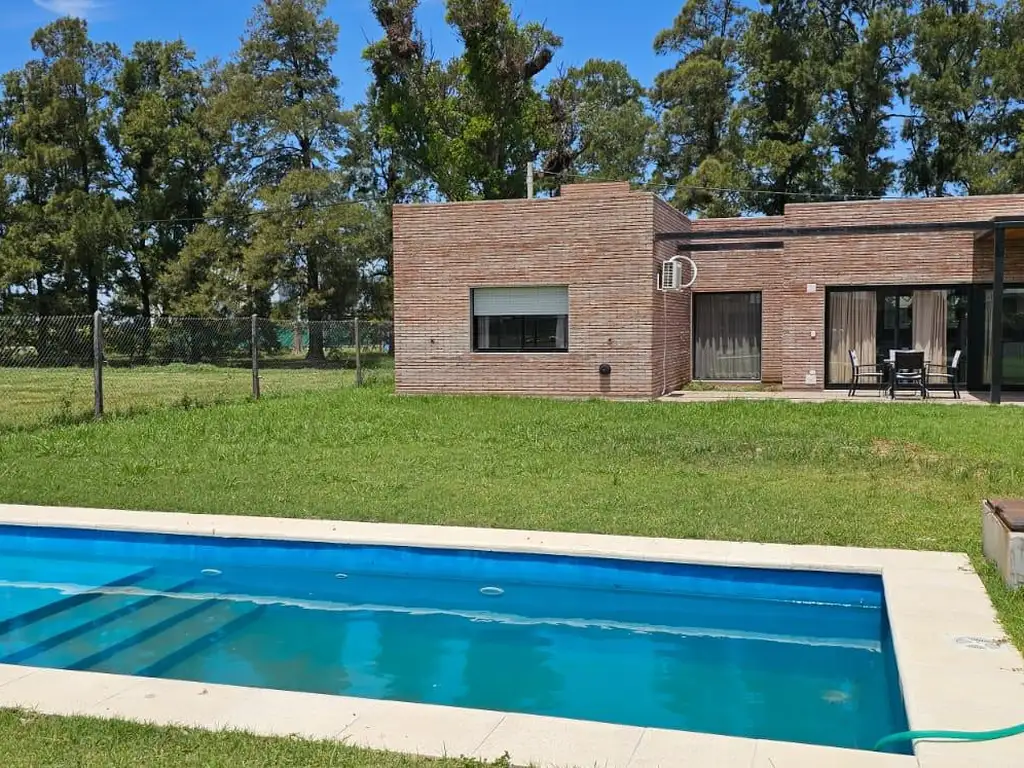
[525, 319]
[727, 336]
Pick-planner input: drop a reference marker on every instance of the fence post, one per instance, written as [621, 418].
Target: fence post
[97, 364]
[255, 344]
[359, 359]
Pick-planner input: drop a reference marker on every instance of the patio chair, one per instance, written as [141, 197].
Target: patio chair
[864, 373]
[908, 370]
[948, 373]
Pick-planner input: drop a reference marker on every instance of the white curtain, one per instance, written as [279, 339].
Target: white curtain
[853, 318]
[930, 323]
[562, 332]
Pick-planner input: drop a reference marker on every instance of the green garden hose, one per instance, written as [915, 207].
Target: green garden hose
[1000, 733]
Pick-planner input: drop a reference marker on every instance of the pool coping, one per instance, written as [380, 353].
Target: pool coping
[957, 668]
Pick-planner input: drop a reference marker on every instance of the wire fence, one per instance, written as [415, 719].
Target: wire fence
[65, 369]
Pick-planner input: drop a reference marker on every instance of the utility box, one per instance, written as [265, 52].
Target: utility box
[1002, 537]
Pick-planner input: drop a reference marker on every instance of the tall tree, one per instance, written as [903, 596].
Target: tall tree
[949, 94]
[601, 122]
[1001, 167]
[472, 124]
[55, 109]
[163, 150]
[696, 150]
[867, 47]
[282, 95]
[785, 82]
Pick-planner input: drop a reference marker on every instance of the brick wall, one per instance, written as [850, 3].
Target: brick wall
[597, 239]
[671, 344]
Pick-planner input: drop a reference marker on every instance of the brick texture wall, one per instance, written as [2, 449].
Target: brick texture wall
[597, 239]
[671, 344]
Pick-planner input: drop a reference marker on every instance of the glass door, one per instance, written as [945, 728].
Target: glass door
[1013, 337]
[727, 336]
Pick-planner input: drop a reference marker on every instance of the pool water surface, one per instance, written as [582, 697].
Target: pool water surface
[783, 655]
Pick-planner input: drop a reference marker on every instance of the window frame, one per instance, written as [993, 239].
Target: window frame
[522, 347]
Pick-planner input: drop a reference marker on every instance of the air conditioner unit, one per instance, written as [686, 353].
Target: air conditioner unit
[671, 275]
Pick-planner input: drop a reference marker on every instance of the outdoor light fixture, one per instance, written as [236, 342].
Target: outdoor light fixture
[604, 369]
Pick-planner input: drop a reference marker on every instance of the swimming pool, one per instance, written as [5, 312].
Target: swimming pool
[786, 655]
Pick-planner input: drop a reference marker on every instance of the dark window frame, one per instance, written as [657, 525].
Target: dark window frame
[522, 347]
[971, 365]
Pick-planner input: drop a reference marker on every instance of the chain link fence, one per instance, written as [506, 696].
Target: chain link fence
[48, 371]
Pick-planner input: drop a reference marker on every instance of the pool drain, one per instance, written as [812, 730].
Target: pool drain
[492, 591]
[341, 575]
[210, 572]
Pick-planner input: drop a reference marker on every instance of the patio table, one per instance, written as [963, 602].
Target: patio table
[887, 364]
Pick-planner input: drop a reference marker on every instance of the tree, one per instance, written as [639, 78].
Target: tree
[1001, 168]
[282, 97]
[602, 124]
[164, 152]
[66, 221]
[697, 149]
[949, 94]
[471, 125]
[786, 143]
[867, 53]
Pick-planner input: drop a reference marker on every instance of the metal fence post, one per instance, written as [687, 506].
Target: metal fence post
[359, 359]
[97, 364]
[255, 360]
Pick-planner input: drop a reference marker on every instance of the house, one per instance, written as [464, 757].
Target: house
[564, 296]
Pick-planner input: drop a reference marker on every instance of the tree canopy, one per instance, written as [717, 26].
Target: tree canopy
[150, 182]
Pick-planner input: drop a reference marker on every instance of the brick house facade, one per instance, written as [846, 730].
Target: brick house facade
[602, 245]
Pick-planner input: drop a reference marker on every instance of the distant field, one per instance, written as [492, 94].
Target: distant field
[32, 397]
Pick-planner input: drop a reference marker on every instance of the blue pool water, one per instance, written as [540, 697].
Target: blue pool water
[787, 655]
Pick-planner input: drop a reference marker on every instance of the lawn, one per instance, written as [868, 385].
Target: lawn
[867, 474]
[35, 397]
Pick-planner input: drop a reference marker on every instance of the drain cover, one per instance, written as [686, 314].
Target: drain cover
[980, 643]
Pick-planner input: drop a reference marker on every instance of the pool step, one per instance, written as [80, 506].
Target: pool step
[19, 644]
[24, 606]
[153, 652]
[97, 643]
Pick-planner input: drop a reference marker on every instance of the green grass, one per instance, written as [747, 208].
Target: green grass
[34, 397]
[833, 473]
[31, 741]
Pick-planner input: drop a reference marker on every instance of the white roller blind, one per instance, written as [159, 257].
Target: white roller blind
[532, 300]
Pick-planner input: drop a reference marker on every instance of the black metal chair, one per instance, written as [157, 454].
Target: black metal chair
[950, 373]
[908, 369]
[864, 373]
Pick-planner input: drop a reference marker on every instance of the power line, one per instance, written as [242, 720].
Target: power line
[245, 214]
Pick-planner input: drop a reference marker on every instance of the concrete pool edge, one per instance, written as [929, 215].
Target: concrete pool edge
[957, 668]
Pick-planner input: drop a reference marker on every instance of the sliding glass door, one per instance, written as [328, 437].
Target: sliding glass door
[1013, 337]
[874, 321]
[727, 336]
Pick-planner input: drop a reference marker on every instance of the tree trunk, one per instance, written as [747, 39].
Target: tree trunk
[145, 341]
[315, 313]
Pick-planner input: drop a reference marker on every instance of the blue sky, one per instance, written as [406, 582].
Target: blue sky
[608, 29]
